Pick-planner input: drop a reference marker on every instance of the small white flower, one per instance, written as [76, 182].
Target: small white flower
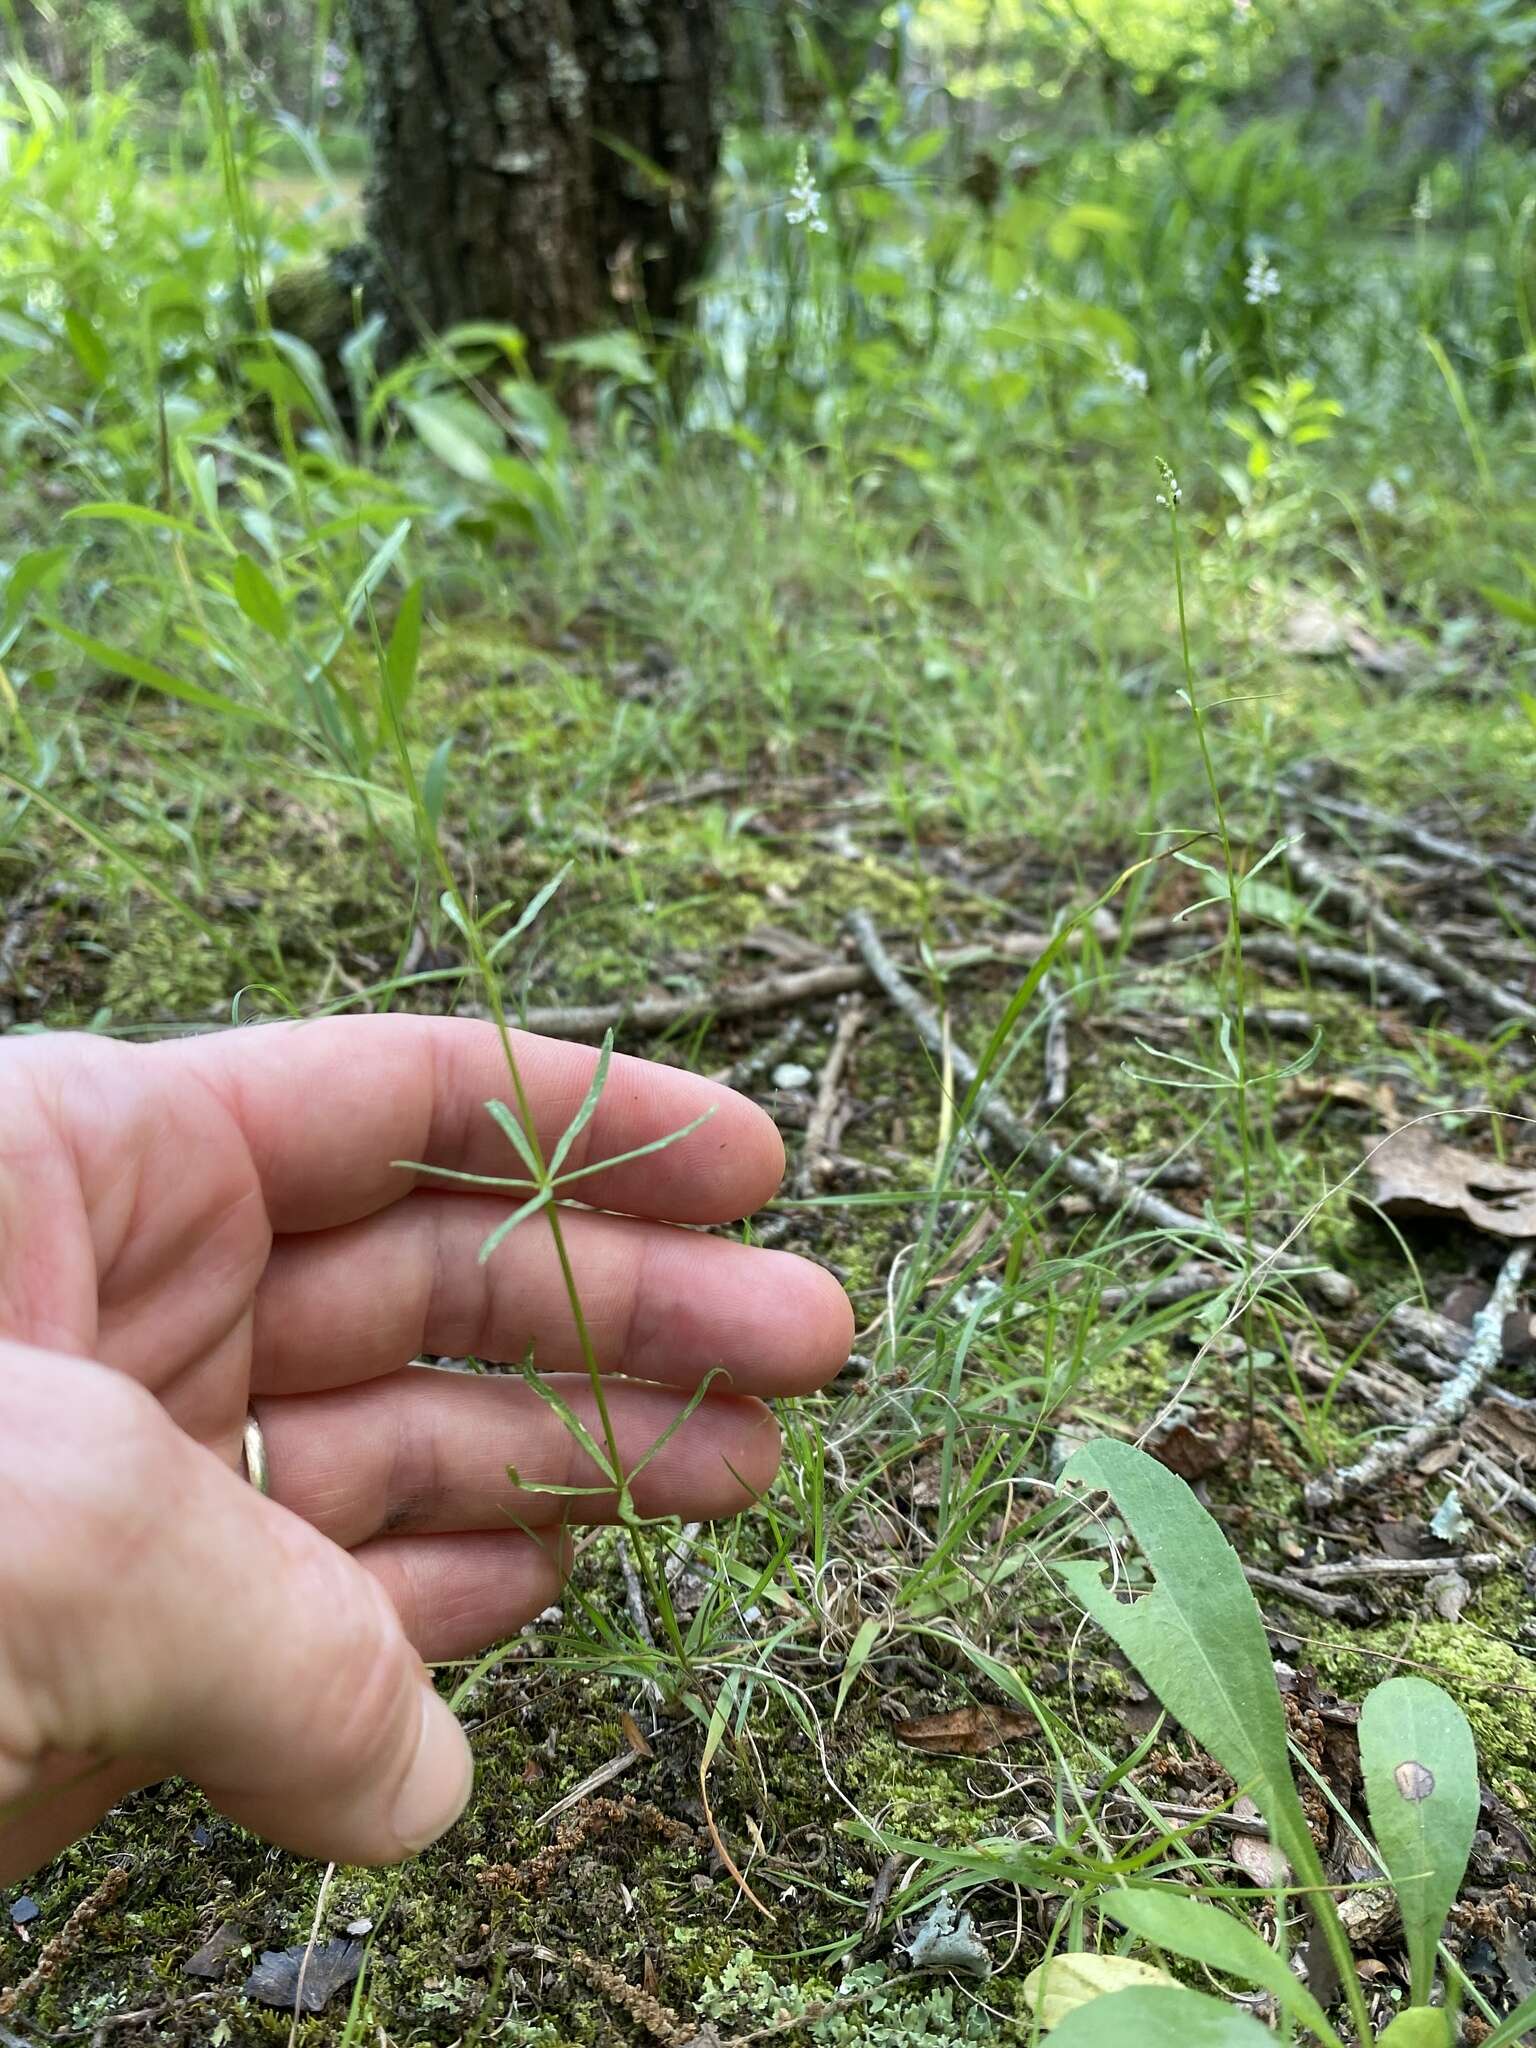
[1024, 291]
[1262, 281]
[1206, 346]
[1382, 496]
[804, 208]
[1170, 494]
[1131, 375]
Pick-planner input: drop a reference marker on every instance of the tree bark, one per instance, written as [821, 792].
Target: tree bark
[505, 181]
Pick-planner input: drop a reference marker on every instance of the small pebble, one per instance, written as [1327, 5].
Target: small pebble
[359, 1927]
[24, 1910]
[791, 1075]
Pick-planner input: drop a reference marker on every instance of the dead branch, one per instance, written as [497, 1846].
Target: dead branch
[774, 992]
[1331, 1605]
[1058, 1049]
[1370, 970]
[1099, 1175]
[1435, 844]
[1364, 909]
[1348, 1569]
[815, 1160]
[1391, 1454]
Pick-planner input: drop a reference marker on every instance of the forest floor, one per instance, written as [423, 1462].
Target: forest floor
[742, 711]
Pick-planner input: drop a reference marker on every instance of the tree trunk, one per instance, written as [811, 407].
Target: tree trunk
[505, 181]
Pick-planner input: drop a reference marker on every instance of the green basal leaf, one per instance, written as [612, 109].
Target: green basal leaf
[1171, 1918]
[1419, 1763]
[1196, 1638]
[1159, 2016]
[1063, 1984]
[1422, 2026]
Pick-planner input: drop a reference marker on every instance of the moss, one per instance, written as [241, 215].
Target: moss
[1492, 1682]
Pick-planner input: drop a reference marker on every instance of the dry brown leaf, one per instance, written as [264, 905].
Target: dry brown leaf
[1256, 1855]
[968, 1731]
[1318, 632]
[1416, 1175]
[1376, 1096]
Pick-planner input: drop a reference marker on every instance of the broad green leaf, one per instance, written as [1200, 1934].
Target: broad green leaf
[438, 428]
[1161, 2016]
[858, 1656]
[1068, 1982]
[620, 353]
[1173, 1919]
[257, 596]
[117, 661]
[91, 352]
[1196, 1637]
[1422, 2026]
[403, 654]
[1419, 1763]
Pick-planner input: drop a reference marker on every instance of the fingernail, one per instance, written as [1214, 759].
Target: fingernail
[437, 1786]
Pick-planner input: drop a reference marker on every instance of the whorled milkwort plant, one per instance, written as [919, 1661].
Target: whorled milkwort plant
[1197, 1639]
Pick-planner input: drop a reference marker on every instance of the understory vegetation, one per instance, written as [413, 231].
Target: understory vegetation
[1037, 684]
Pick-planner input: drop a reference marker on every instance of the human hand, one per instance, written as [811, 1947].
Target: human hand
[191, 1228]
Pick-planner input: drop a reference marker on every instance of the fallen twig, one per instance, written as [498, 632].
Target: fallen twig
[1435, 844]
[815, 1159]
[761, 1058]
[1058, 1050]
[774, 992]
[1099, 1175]
[1331, 1605]
[1364, 909]
[1370, 970]
[1391, 1454]
[1351, 1568]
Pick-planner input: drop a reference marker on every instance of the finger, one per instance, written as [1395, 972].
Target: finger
[325, 1107]
[659, 1304]
[456, 1595]
[157, 1607]
[426, 1451]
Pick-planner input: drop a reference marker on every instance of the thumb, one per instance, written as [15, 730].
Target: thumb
[195, 1628]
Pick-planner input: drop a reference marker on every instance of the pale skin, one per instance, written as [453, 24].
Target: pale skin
[188, 1230]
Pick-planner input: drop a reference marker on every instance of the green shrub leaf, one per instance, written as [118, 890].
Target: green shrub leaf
[1420, 1768]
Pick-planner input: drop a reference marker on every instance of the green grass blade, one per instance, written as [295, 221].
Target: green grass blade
[118, 661]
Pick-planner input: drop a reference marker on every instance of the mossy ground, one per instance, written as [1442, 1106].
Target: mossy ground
[726, 781]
